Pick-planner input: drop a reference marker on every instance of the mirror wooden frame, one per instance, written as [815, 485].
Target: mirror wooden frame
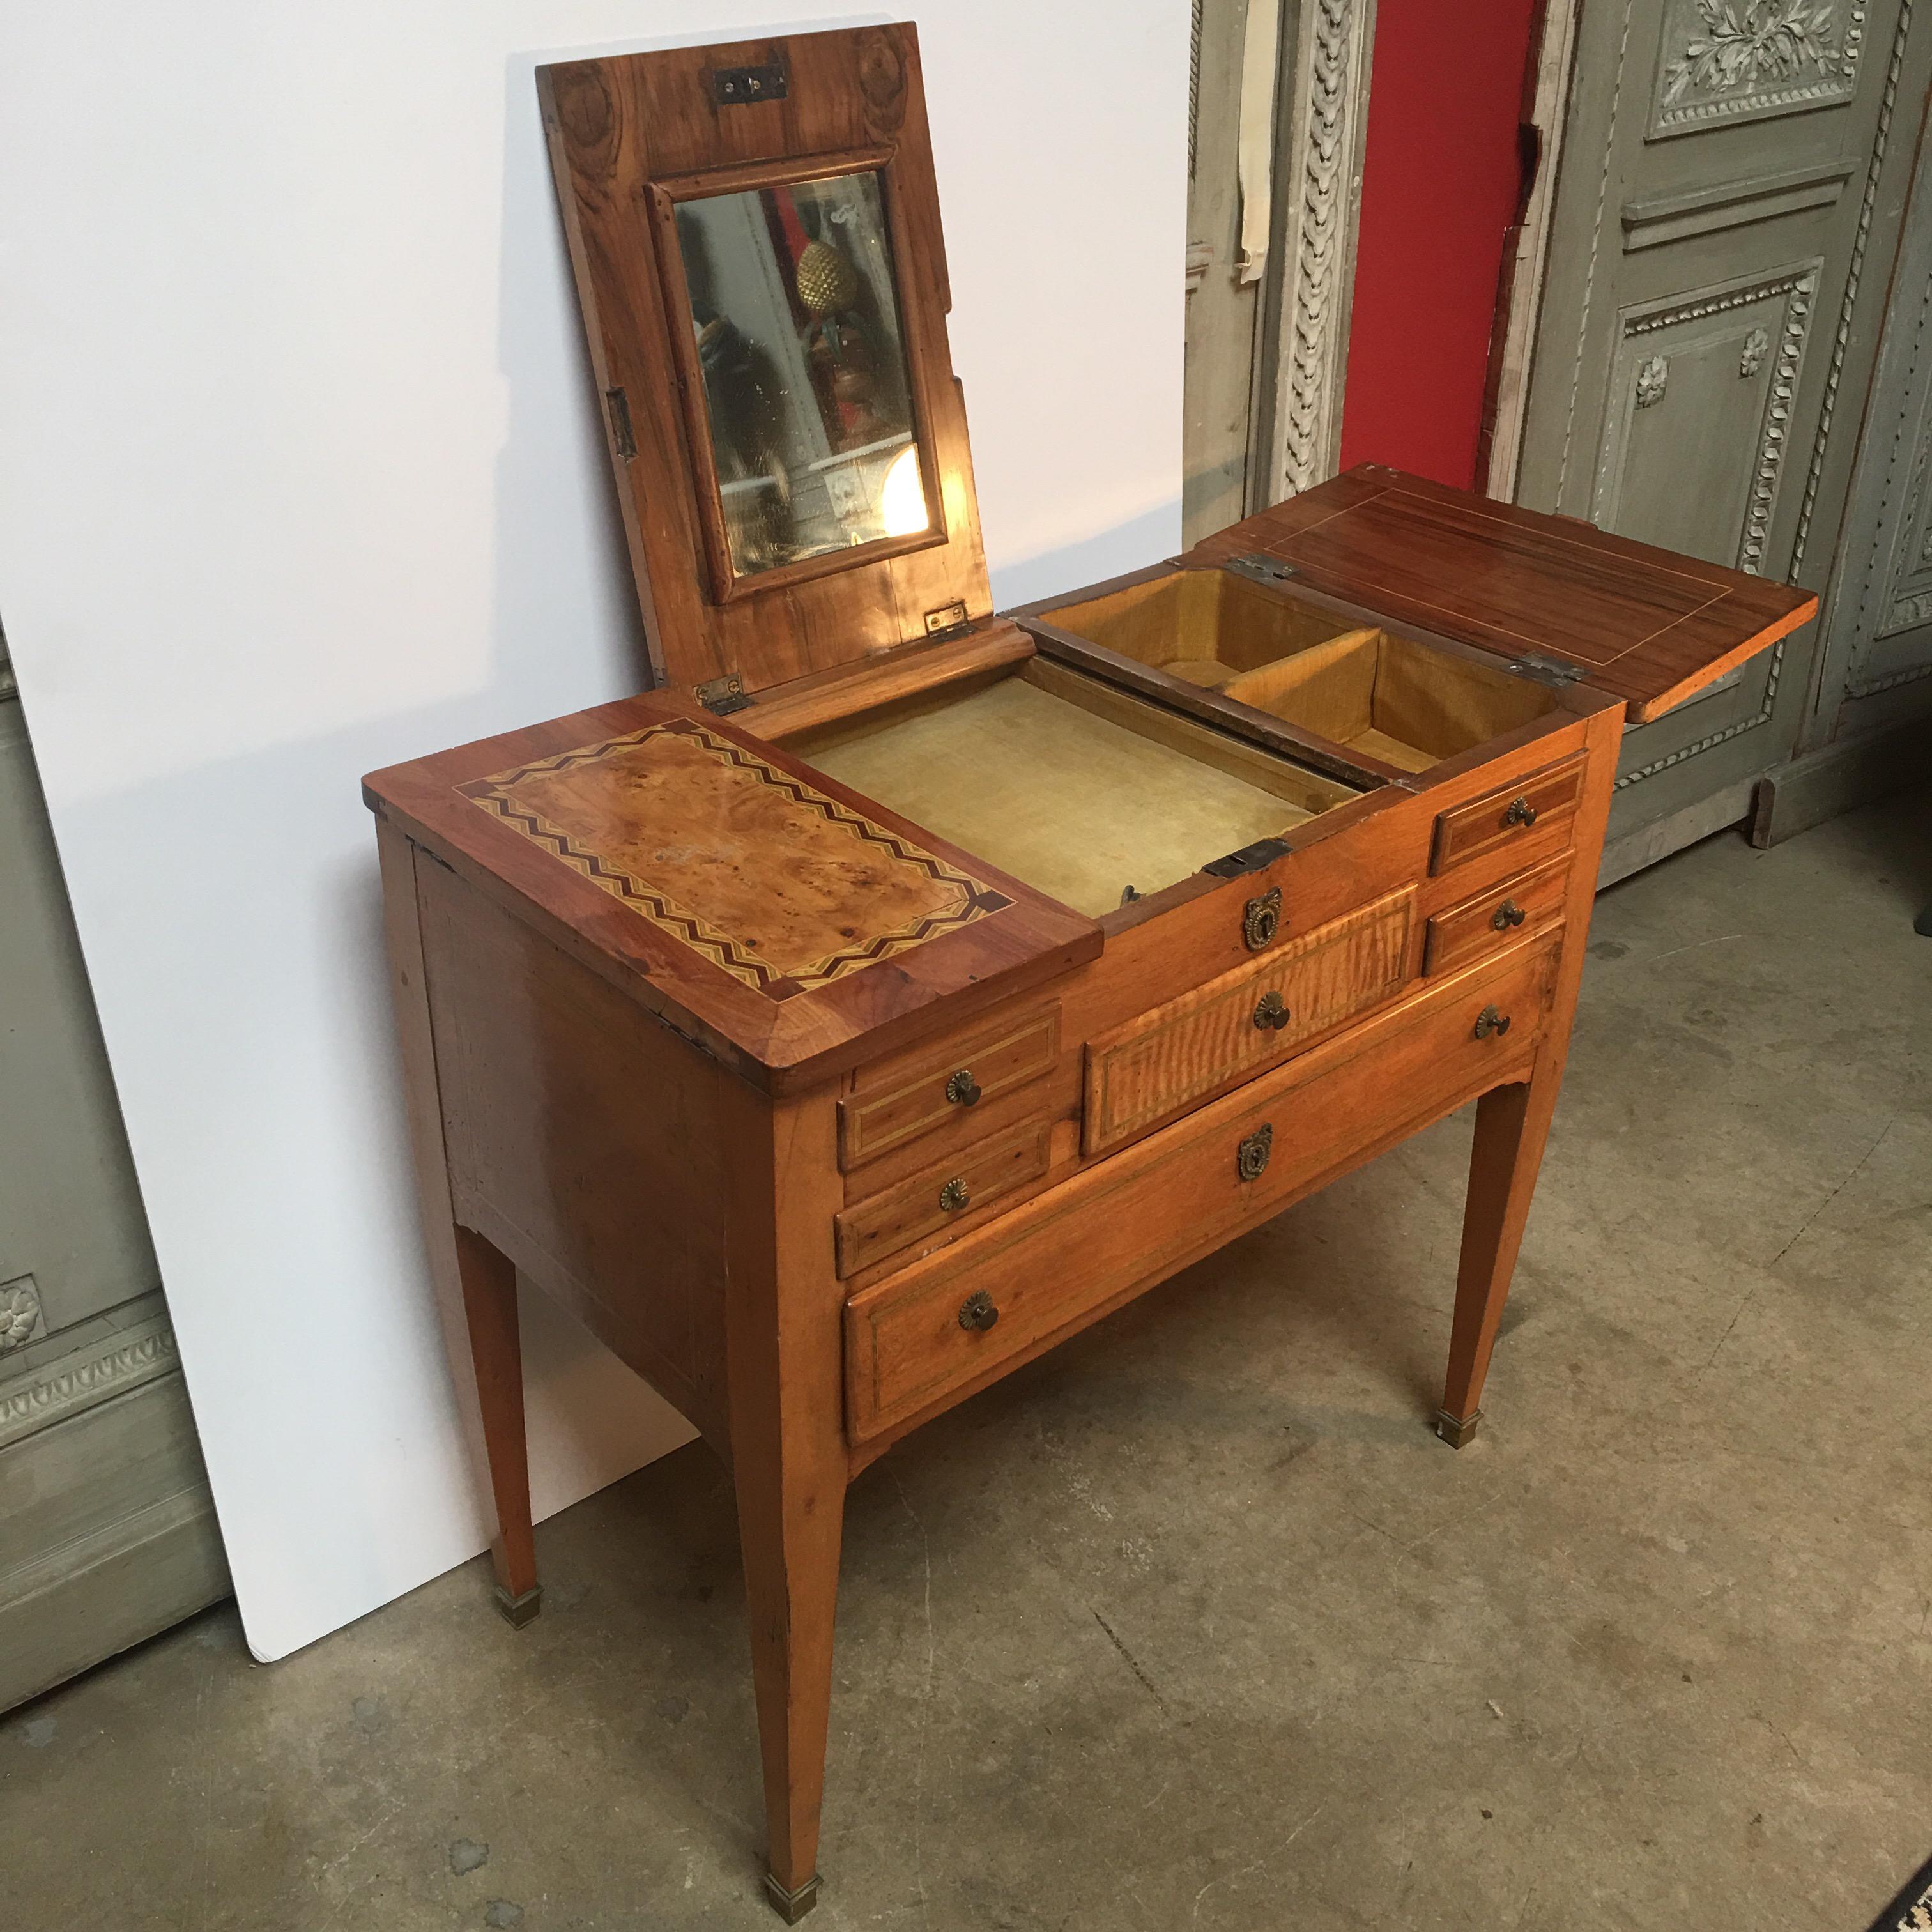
[727, 583]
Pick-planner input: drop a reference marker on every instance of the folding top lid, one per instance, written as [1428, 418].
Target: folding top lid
[754, 230]
[1645, 624]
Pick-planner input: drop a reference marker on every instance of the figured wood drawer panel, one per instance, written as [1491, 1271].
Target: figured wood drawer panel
[1177, 1055]
[1127, 1223]
[975, 1178]
[1498, 915]
[999, 1059]
[1507, 816]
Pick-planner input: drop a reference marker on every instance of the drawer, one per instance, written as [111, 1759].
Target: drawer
[1179, 1054]
[946, 1085]
[897, 1216]
[957, 1317]
[1507, 816]
[1497, 916]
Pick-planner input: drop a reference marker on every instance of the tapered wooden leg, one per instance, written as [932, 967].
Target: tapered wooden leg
[490, 1304]
[790, 1533]
[1512, 1124]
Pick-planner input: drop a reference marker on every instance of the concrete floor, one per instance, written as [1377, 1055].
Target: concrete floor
[1195, 1623]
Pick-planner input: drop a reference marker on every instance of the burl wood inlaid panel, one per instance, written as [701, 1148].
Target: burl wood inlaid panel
[783, 887]
[1207, 1039]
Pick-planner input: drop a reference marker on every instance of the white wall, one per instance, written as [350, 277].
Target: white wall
[299, 477]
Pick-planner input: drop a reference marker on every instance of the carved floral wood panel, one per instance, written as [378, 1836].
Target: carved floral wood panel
[1743, 60]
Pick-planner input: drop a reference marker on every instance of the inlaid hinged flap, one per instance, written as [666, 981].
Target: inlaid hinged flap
[1557, 596]
[729, 887]
[754, 232]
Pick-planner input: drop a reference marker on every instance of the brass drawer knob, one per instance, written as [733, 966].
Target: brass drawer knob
[1507, 914]
[955, 1195]
[1489, 1020]
[1261, 920]
[1520, 812]
[977, 1313]
[1251, 1155]
[962, 1090]
[1271, 1013]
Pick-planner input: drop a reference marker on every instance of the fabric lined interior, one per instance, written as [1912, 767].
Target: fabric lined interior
[1079, 789]
[1361, 689]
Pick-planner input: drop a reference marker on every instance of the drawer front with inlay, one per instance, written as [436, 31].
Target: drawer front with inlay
[947, 1085]
[1172, 1058]
[1498, 915]
[960, 1317]
[1508, 816]
[985, 1172]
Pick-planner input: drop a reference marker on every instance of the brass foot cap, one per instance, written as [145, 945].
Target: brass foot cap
[1455, 1432]
[791, 1906]
[517, 1611]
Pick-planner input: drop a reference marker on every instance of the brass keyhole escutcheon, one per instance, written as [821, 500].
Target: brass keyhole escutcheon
[977, 1313]
[1507, 914]
[955, 1195]
[1489, 1020]
[1251, 1155]
[1261, 919]
[1271, 1013]
[1520, 812]
[962, 1090]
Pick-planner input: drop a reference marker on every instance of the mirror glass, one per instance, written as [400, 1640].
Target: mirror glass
[803, 357]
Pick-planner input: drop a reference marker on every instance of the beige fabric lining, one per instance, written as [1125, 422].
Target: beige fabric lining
[1078, 806]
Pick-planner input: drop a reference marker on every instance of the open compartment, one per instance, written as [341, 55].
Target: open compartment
[1392, 705]
[1085, 791]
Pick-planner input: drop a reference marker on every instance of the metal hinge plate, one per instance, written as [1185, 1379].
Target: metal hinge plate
[745, 86]
[1546, 669]
[1248, 858]
[723, 695]
[948, 621]
[1259, 568]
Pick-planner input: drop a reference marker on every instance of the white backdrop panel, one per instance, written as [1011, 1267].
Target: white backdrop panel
[301, 477]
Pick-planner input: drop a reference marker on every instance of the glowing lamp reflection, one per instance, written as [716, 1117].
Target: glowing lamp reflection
[902, 496]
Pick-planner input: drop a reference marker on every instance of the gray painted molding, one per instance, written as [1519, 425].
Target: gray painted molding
[65, 1385]
[1327, 94]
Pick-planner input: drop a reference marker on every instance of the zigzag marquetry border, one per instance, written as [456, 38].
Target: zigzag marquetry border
[971, 900]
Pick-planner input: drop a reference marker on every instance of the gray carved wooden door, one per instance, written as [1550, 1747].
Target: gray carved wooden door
[1726, 217]
[107, 1532]
[1877, 669]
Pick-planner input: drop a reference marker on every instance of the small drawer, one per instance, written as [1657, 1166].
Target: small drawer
[1508, 815]
[1167, 1060]
[946, 1084]
[899, 1216]
[954, 1320]
[1486, 921]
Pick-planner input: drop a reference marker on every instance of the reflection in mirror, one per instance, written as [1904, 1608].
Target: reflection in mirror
[806, 391]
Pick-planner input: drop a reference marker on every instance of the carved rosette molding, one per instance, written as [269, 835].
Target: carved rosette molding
[1653, 378]
[1743, 60]
[19, 1312]
[110, 1366]
[1868, 203]
[1330, 98]
[1757, 346]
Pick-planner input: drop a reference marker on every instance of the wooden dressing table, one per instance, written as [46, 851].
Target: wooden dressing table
[899, 987]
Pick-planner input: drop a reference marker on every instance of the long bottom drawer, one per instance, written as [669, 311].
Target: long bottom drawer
[952, 1320]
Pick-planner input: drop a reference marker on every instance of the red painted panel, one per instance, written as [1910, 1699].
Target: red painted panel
[1441, 182]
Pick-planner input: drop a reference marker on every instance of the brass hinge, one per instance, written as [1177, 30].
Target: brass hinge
[1546, 670]
[948, 621]
[617, 406]
[723, 695]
